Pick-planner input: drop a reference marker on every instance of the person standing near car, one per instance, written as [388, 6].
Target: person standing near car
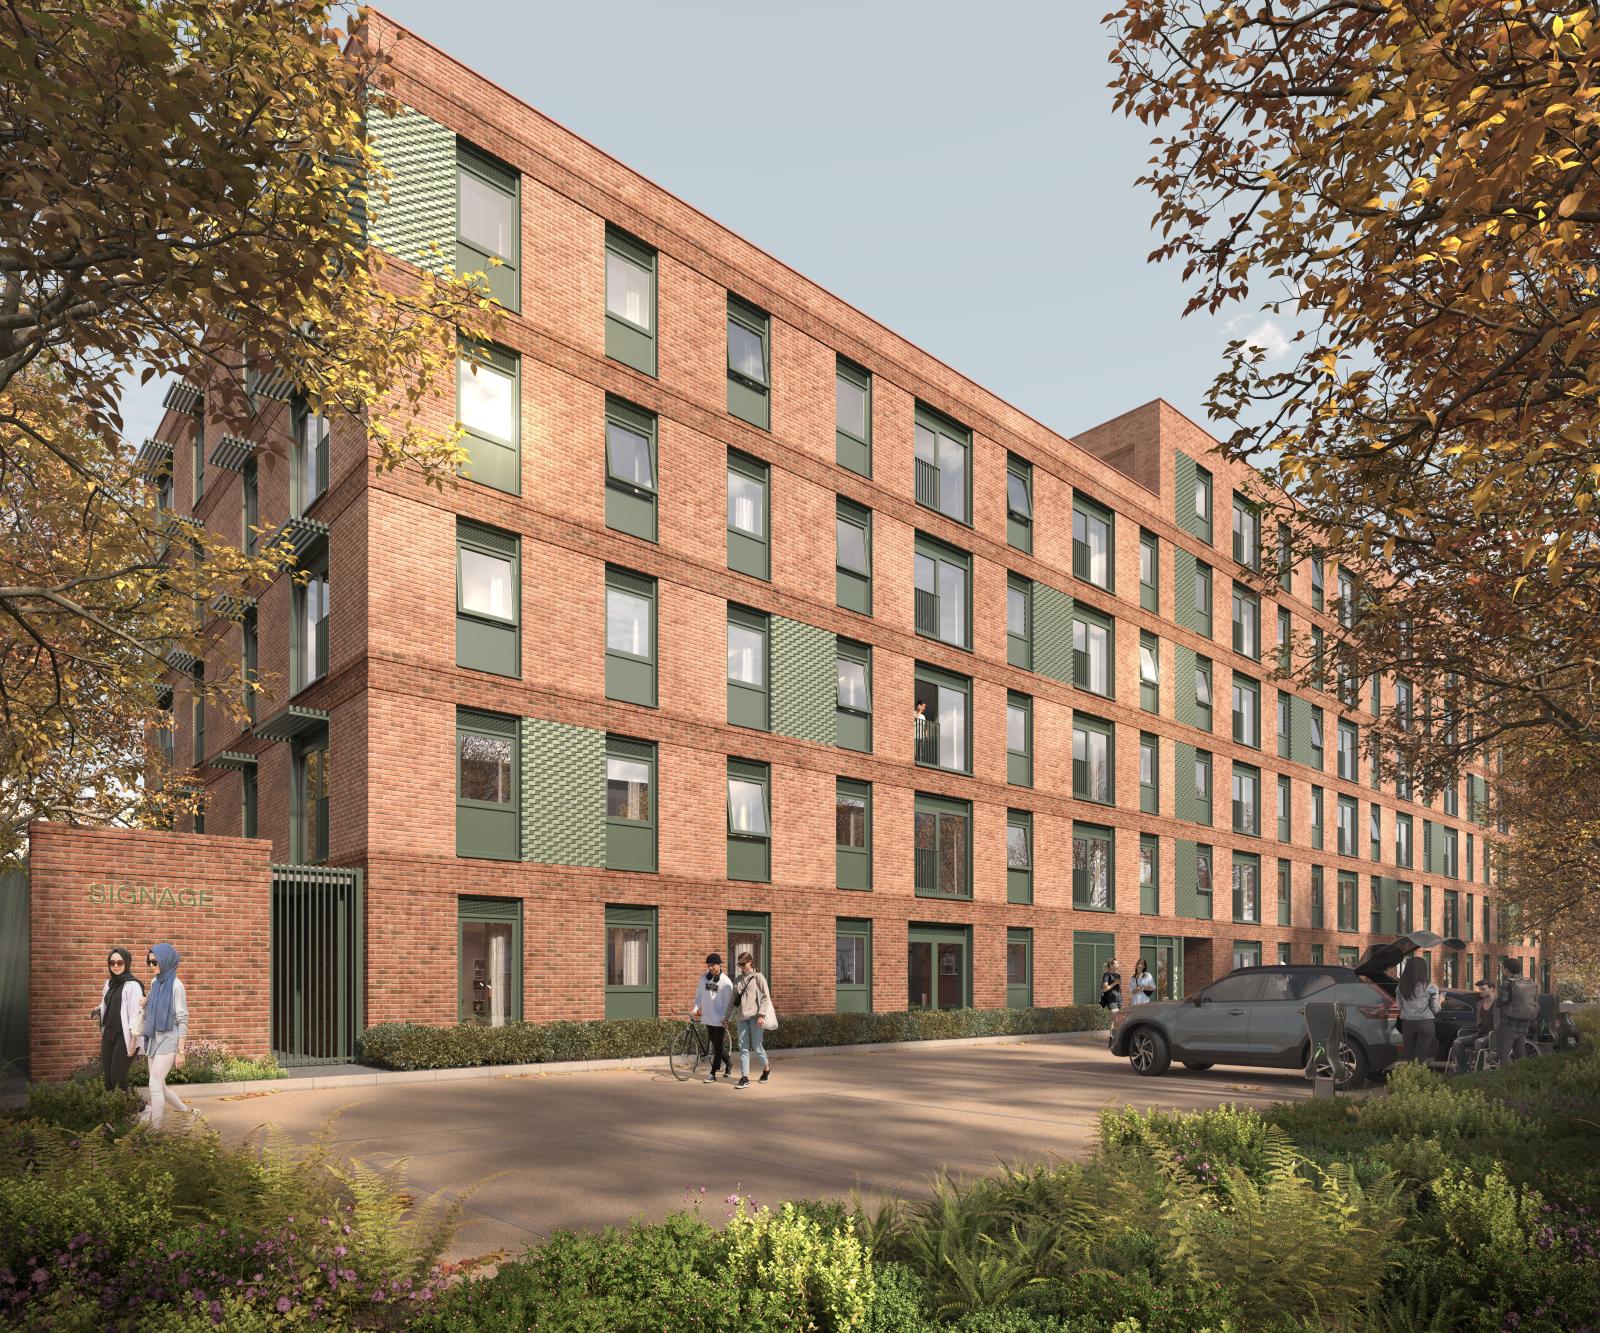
[117, 1014]
[1111, 987]
[754, 1000]
[1143, 984]
[1516, 1005]
[711, 1000]
[1419, 1007]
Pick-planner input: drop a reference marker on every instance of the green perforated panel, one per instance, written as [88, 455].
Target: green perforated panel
[1184, 609]
[1185, 804]
[418, 222]
[1300, 732]
[1052, 633]
[1388, 906]
[805, 681]
[563, 794]
[1184, 706]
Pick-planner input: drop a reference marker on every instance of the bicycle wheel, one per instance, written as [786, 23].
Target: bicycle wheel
[685, 1052]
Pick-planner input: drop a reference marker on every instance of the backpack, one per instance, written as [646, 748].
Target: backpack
[1524, 1002]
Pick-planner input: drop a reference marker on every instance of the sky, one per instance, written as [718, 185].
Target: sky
[953, 170]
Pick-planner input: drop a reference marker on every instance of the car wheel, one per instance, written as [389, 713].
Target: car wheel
[1356, 1065]
[1147, 1051]
[1199, 1066]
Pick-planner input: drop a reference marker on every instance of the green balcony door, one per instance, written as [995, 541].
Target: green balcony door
[939, 968]
[1163, 955]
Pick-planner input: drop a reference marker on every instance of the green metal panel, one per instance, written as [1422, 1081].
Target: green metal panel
[1388, 905]
[563, 793]
[14, 928]
[1191, 903]
[318, 964]
[804, 673]
[1091, 951]
[1300, 732]
[1186, 805]
[1185, 708]
[1052, 633]
[418, 223]
[1184, 610]
[1186, 473]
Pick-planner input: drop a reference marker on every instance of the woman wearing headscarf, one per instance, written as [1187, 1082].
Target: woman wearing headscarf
[166, 1030]
[117, 1013]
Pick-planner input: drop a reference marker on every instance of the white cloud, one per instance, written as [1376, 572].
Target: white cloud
[1267, 334]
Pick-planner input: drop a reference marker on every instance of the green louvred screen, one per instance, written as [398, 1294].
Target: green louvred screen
[1052, 633]
[805, 691]
[1185, 706]
[563, 793]
[1388, 906]
[418, 222]
[1185, 804]
[1300, 732]
[1185, 611]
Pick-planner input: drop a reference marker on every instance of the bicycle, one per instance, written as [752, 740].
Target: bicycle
[688, 1049]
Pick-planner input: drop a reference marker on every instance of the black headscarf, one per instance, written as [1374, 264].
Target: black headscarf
[114, 989]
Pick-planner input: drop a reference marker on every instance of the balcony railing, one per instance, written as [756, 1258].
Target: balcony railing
[927, 484]
[927, 611]
[926, 732]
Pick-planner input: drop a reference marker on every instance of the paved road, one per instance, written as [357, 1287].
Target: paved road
[543, 1152]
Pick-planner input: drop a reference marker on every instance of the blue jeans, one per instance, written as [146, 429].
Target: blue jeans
[750, 1037]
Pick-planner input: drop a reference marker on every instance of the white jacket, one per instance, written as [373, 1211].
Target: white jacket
[132, 998]
[713, 1001]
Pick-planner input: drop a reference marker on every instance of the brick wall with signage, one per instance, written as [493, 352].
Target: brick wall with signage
[93, 889]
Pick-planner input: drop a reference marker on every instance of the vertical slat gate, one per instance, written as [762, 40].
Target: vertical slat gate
[317, 964]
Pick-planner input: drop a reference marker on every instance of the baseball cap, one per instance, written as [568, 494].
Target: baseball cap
[713, 958]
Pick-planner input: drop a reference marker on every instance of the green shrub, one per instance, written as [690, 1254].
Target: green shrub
[1204, 1143]
[203, 1062]
[1095, 1299]
[80, 1105]
[1420, 1103]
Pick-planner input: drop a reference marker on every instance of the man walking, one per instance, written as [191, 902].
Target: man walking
[1516, 1005]
[711, 1000]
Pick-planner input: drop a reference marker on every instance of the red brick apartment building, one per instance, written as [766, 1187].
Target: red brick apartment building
[618, 699]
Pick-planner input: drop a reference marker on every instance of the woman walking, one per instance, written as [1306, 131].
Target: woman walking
[166, 1031]
[117, 1013]
[1419, 1004]
[754, 1005]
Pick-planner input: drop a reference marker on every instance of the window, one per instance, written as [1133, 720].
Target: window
[1019, 740]
[1316, 817]
[1348, 906]
[943, 592]
[1285, 726]
[630, 470]
[1202, 501]
[630, 962]
[1149, 591]
[1246, 799]
[1375, 774]
[630, 637]
[308, 478]
[1452, 865]
[749, 827]
[1452, 800]
[1349, 750]
[1019, 856]
[1149, 672]
[1149, 875]
[1202, 598]
[1093, 755]
[852, 951]
[1246, 532]
[200, 466]
[1402, 841]
[1246, 622]
[249, 797]
[1246, 889]
[1285, 955]
[489, 223]
[1374, 832]
[943, 847]
[1149, 774]
[1285, 557]
[1019, 621]
[749, 358]
[853, 728]
[852, 819]
[1316, 738]
[1347, 599]
[747, 669]
[1402, 702]
[1347, 826]
[944, 479]
[1452, 914]
[1202, 693]
[250, 498]
[311, 625]
[487, 780]
[852, 415]
[1404, 922]
[1019, 968]
[1319, 910]
[1285, 637]
[1285, 807]
[1092, 652]
[1092, 859]
[1019, 503]
[488, 593]
[748, 516]
[1246, 711]
[940, 725]
[853, 557]
[488, 405]
[1375, 694]
[630, 804]
[630, 302]
[1202, 786]
[197, 719]
[1316, 582]
[1092, 542]
[1470, 862]
[489, 949]
[1285, 906]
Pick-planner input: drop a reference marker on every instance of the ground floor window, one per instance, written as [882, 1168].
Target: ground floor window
[1019, 968]
[853, 966]
[1163, 955]
[310, 825]
[1091, 951]
[1247, 953]
[939, 967]
[489, 935]
[750, 932]
[630, 962]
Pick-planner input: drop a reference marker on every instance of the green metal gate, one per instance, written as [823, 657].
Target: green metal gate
[318, 964]
[13, 975]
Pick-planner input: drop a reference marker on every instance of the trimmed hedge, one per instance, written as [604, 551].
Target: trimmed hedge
[414, 1046]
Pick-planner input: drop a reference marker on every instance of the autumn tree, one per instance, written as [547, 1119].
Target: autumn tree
[184, 190]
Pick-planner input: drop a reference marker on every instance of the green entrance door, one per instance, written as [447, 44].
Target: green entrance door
[1091, 951]
[939, 967]
[1163, 955]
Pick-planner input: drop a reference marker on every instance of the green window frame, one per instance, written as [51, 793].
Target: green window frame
[935, 953]
[853, 557]
[197, 723]
[478, 921]
[488, 599]
[199, 452]
[1019, 856]
[1246, 623]
[1094, 760]
[1094, 543]
[1019, 739]
[309, 461]
[488, 786]
[1149, 672]
[749, 668]
[852, 413]
[749, 820]
[1285, 640]
[749, 515]
[1204, 694]
[1317, 581]
[494, 448]
[1349, 906]
[1285, 893]
[1319, 908]
[1149, 874]
[853, 718]
[1019, 621]
[309, 637]
[1316, 817]
[942, 459]
[1316, 737]
[1285, 557]
[1375, 831]
[632, 471]
[1285, 726]
[1345, 826]
[630, 962]
[1149, 774]
[852, 951]
[1203, 775]
[630, 301]
[1404, 855]
[1247, 799]
[486, 187]
[852, 817]
[1247, 888]
[1246, 532]
[1094, 860]
[1094, 651]
[1246, 953]
[1091, 951]
[941, 739]
[250, 506]
[1246, 711]
[1019, 503]
[749, 363]
[1202, 598]
[1019, 967]
[942, 846]
[942, 591]
[632, 805]
[249, 797]
[1317, 955]
[1285, 808]
[1319, 666]
[1202, 505]
[1149, 572]
[631, 637]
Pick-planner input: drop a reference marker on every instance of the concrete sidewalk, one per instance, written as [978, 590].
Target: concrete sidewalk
[536, 1151]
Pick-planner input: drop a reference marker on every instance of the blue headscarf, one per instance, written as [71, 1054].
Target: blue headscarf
[158, 1008]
